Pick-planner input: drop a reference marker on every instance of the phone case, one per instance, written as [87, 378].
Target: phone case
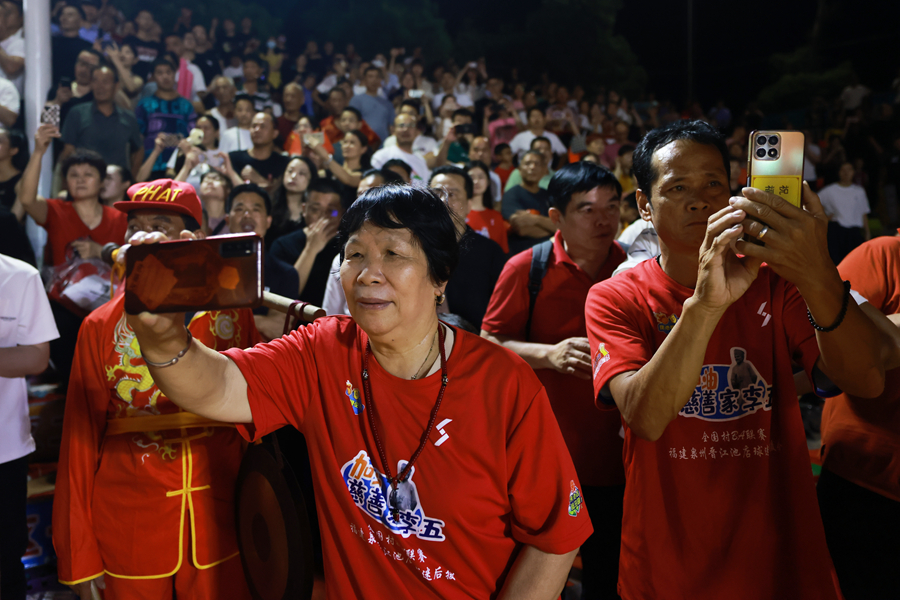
[50, 115]
[781, 174]
[192, 275]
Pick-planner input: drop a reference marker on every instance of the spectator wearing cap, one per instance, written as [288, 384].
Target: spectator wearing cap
[12, 44]
[104, 127]
[164, 113]
[67, 45]
[117, 461]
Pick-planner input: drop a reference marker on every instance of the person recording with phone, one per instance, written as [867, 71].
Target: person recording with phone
[511, 539]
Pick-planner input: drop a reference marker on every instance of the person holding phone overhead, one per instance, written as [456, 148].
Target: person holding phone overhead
[724, 472]
[421, 436]
[144, 496]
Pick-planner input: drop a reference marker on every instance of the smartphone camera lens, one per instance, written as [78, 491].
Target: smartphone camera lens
[761, 140]
[773, 140]
[773, 153]
[761, 153]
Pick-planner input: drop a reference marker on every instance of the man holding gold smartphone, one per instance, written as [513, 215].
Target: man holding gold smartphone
[145, 491]
[719, 499]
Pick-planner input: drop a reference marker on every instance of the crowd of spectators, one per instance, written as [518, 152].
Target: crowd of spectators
[219, 106]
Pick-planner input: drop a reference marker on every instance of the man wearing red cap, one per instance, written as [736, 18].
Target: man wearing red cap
[144, 496]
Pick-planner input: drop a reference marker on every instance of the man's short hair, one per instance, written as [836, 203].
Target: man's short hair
[353, 110]
[244, 98]
[390, 177]
[323, 185]
[697, 131]
[462, 112]
[540, 138]
[161, 62]
[411, 102]
[396, 162]
[579, 177]
[248, 188]
[625, 149]
[84, 157]
[337, 89]
[371, 68]
[99, 56]
[76, 7]
[501, 147]
[254, 58]
[531, 110]
[535, 153]
[459, 172]
[108, 67]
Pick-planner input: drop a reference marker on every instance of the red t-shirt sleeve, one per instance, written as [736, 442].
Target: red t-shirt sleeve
[618, 344]
[868, 268]
[282, 381]
[549, 513]
[507, 311]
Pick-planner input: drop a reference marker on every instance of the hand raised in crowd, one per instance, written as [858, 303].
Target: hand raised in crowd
[63, 94]
[722, 276]
[44, 137]
[227, 169]
[795, 238]
[572, 356]
[87, 248]
[248, 173]
[320, 233]
[114, 53]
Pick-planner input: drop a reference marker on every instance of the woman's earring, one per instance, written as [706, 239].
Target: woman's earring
[440, 299]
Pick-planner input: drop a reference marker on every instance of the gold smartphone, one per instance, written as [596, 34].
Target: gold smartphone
[775, 163]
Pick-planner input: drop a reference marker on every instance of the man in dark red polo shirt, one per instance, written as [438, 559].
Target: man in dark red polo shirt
[585, 208]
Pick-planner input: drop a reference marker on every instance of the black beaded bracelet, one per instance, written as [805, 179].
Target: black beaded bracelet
[840, 317]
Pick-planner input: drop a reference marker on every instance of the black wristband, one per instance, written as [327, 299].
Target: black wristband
[840, 317]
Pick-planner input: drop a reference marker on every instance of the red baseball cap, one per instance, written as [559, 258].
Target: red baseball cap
[164, 194]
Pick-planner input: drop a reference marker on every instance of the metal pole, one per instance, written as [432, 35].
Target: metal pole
[37, 81]
[690, 51]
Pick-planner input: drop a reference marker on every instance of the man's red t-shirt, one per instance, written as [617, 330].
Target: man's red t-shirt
[490, 224]
[64, 226]
[723, 504]
[861, 436]
[504, 175]
[591, 435]
[494, 475]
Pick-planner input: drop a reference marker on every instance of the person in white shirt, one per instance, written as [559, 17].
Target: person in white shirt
[522, 142]
[10, 103]
[238, 138]
[26, 328]
[12, 46]
[423, 144]
[405, 132]
[846, 205]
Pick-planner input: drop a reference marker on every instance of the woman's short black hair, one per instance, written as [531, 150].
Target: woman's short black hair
[578, 177]
[415, 208]
[84, 157]
[698, 131]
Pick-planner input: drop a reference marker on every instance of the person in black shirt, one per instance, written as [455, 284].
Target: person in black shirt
[526, 206]
[261, 164]
[480, 259]
[312, 249]
[248, 208]
[13, 160]
[146, 43]
[67, 45]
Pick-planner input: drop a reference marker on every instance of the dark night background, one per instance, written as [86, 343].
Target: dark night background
[778, 52]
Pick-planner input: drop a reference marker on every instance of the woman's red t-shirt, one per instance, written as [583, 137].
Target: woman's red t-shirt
[490, 224]
[495, 473]
[64, 226]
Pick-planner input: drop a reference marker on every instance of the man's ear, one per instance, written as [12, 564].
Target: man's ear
[644, 206]
[555, 215]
